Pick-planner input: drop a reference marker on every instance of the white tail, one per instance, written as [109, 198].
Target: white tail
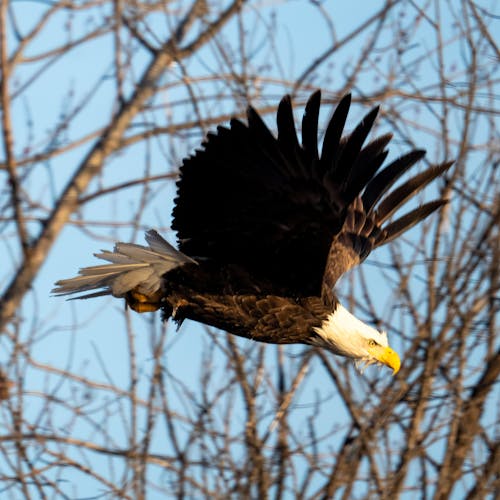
[133, 267]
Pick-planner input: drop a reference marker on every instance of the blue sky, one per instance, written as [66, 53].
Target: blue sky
[70, 334]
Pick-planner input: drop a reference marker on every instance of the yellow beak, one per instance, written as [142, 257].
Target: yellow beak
[389, 358]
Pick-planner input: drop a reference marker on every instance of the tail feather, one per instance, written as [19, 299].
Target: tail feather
[110, 268]
[132, 267]
[113, 257]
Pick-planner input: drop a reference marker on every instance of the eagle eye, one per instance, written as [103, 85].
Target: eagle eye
[372, 343]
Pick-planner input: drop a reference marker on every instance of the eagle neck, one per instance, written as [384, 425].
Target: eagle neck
[346, 335]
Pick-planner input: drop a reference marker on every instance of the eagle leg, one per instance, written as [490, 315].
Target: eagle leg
[144, 303]
[181, 304]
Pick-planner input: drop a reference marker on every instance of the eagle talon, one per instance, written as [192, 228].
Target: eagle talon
[273, 226]
[141, 303]
[180, 305]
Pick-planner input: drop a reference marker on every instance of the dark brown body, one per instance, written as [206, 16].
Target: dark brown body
[247, 309]
[272, 224]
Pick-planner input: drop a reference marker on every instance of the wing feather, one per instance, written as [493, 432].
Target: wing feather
[287, 135]
[310, 126]
[388, 176]
[331, 141]
[292, 220]
[399, 226]
[352, 148]
[402, 194]
[360, 178]
[374, 149]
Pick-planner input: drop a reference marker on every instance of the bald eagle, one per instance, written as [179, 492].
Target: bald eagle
[266, 226]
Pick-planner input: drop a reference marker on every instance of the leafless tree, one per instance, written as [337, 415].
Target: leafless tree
[100, 102]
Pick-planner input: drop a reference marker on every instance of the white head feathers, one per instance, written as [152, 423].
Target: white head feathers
[344, 334]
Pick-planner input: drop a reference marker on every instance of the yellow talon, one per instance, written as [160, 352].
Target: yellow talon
[143, 303]
[143, 307]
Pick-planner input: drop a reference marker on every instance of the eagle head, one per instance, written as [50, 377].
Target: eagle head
[345, 335]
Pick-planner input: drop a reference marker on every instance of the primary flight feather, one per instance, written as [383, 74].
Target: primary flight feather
[266, 226]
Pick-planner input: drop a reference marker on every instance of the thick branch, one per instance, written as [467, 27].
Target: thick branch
[7, 132]
[93, 163]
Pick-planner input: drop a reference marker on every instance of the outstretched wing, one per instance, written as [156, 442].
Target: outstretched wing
[286, 214]
[365, 225]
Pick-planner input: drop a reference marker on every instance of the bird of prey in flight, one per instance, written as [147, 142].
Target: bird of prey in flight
[266, 226]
